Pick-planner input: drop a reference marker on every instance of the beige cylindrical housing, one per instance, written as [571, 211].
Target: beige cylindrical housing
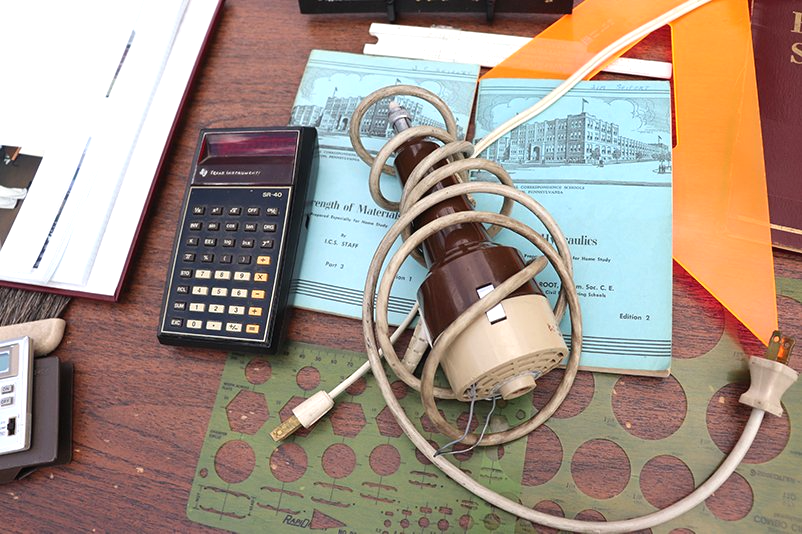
[506, 357]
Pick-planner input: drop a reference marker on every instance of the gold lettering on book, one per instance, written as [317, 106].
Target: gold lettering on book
[796, 53]
[796, 48]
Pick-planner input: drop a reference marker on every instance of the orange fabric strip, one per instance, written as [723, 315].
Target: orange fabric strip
[721, 213]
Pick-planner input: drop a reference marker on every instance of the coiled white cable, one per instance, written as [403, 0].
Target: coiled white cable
[371, 331]
[376, 331]
[413, 203]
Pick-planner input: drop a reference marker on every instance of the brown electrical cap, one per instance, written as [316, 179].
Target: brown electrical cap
[461, 258]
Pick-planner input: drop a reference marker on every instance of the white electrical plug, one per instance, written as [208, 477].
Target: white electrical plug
[771, 376]
[304, 415]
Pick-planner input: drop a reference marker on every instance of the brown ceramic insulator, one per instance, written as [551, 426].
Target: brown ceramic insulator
[461, 258]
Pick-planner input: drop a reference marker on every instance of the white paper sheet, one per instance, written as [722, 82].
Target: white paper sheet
[117, 135]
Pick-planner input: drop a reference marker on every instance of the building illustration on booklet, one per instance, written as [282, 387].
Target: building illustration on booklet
[333, 118]
[582, 139]
[576, 139]
[345, 224]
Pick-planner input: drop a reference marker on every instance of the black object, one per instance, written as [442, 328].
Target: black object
[394, 7]
[236, 244]
[51, 435]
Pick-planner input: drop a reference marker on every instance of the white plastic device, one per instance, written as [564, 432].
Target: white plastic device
[16, 381]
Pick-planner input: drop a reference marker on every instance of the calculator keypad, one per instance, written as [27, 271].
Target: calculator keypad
[223, 280]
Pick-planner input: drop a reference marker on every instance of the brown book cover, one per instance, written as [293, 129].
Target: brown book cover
[777, 39]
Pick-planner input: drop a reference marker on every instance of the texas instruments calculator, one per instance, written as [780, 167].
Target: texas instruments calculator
[236, 244]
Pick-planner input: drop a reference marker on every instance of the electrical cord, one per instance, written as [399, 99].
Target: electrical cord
[376, 331]
[412, 205]
[313, 413]
[312, 409]
[365, 367]
[769, 378]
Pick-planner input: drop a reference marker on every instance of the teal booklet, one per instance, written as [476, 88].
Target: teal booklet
[346, 225]
[599, 160]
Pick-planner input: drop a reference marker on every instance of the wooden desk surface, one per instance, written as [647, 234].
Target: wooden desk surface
[141, 409]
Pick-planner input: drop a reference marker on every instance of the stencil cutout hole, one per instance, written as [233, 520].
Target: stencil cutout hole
[234, 461]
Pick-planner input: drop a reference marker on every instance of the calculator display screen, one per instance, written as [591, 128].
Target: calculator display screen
[5, 361]
[248, 144]
[247, 158]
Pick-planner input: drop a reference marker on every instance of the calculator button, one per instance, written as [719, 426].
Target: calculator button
[232, 227]
[263, 260]
[207, 258]
[249, 227]
[219, 291]
[213, 226]
[236, 310]
[229, 242]
[255, 311]
[216, 210]
[253, 211]
[260, 277]
[269, 227]
[192, 241]
[246, 243]
[217, 308]
[6, 401]
[257, 294]
[214, 325]
[239, 293]
[226, 258]
[198, 210]
[179, 306]
[234, 211]
[8, 388]
[182, 290]
[242, 276]
[203, 274]
[233, 327]
[176, 322]
[266, 243]
[185, 273]
[222, 275]
[271, 211]
[197, 307]
[244, 260]
[189, 256]
[252, 328]
[196, 225]
[200, 290]
[210, 242]
[194, 324]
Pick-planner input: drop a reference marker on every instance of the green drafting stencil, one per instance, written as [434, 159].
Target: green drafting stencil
[357, 473]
